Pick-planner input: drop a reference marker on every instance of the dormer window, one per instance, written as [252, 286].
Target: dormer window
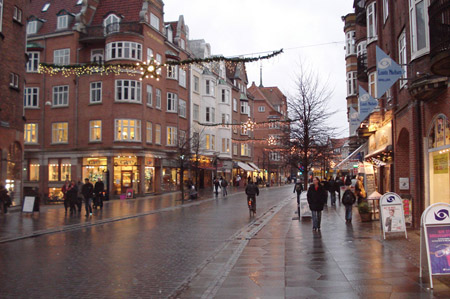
[154, 21]
[45, 7]
[169, 34]
[111, 24]
[32, 27]
[62, 22]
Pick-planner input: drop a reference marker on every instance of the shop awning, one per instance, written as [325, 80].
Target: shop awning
[254, 166]
[244, 166]
[351, 156]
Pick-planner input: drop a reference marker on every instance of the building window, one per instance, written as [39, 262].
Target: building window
[149, 95]
[111, 24]
[373, 84]
[245, 151]
[171, 102]
[225, 96]
[97, 56]
[351, 83]
[127, 130]
[235, 127]
[210, 114]
[274, 125]
[196, 84]
[261, 108]
[235, 149]
[13, 80]
[33, 62]
[225, 118]
[274, 156]
[62, 22]
[31, 26]
[371, 22]
[169, 34]
[350, 43]
[33, 170]
[361, 49]
[61, 57]
[45, 7]
[158, 134]
[149, 135]
[171, 136]
[209, 87]
[1, 15]
[31, 133]
[172, 72]
[244, 108]
[418, 16]
[225, 145]
[60, 132]
[123, 50]
[385, 10]
[159, 60]
[158, 98]
[244, 130]
[96, 92]
[182, 108]
[149, 54]
[128, 91]
[95, 130]
[235, 105]
[154, 21]
[31, 97]
[210, 142]
[196, 112]
[17, 16]
[60, 96]
[402, 57]
[182, 79]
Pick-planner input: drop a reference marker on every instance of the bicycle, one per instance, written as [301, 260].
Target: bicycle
[251, 206]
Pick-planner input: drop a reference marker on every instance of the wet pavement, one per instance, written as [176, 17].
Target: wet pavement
[156, 248]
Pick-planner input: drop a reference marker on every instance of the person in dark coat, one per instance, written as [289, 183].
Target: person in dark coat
[317, 196]
[88, 193]
[339, 184]
[5, 199]
[348, 181]
[252, 191]
[64, 190]
[98, 190]
[332, 190]
[298, 187]
[348, 199]
[216, 186]
[72, 196]
[224, 185]
[79, 195]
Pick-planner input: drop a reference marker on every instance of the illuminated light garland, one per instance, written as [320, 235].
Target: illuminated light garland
[256, 125]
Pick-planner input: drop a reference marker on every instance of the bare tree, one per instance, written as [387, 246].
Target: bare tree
[309, 112]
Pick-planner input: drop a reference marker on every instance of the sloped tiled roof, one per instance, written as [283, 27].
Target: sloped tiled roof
[50, 17]
[128, 10]
[274, 95]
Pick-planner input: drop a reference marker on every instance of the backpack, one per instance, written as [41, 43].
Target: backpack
[347, 199]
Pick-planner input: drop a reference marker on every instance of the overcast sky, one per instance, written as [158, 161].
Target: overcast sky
[236, 27]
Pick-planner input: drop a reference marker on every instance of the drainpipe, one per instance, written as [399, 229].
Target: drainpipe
[419, 170]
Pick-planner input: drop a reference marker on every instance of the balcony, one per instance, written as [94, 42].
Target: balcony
[360, 11]
[362, 67]
[97, 33]
[439, 16]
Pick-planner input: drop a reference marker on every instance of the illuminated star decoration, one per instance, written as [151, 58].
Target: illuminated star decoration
[272, 140]
[150, 69]
[249, 125]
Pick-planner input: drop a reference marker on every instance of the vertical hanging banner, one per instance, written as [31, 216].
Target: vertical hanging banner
[366, 104]
[435, 235]
[388, 72]
[354, 121]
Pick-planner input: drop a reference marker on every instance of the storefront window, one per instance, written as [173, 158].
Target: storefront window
[34, 170]
[126, 174]
[438, 153]
[169, 179]
[55, 194]
[53, 170]
[94, 168]
[149, 175]
[65, 169]
[59, 170]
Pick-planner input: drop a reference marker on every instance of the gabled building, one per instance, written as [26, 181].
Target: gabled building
[110, 126]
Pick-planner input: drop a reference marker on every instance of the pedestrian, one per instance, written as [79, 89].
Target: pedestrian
[339, 184]
[317, 196]
[252, 191]
[348, 199]
[72, 195]
[298, 187]
[238, 180]
[348, 181]
[332, 190]
[5, 199]
[359, 189]
[216, 186]
[79, 195]
[88, 193]
[98, 190]
[224, 186]
[64, 190]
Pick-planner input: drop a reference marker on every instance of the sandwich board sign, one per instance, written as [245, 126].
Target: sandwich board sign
[392, 214]
[435, 234]
[28, 204]
[304, 206]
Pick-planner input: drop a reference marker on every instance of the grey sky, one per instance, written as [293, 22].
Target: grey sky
[235, 27]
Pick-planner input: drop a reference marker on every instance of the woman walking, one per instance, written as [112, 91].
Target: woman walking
[317, 196]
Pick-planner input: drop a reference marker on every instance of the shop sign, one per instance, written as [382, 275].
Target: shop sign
[94, 161]
[381, 139]
[392, 214]
[149, 162]
[435, 234]
[404, 183]
[440, 163]
[125, 161]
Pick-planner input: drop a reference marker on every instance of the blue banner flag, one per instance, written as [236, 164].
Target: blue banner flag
[366, 104]
[354, 121]
[388, 72]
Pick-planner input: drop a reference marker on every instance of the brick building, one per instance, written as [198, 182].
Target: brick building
[270, 105]
[109, 126]
[13, 16]
[408, 136]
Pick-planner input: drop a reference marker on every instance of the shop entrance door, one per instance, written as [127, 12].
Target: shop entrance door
[127, 180]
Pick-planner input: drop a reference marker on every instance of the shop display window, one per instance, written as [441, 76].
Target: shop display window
[53, 170]
[55, 194]
[59, 170]
[34, 170]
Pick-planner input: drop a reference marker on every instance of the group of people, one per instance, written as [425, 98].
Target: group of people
[74, 193]
[222, 183]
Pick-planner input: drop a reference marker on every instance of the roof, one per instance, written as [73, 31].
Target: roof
[237, 70]
[338, 143]
[274, 95]
[128, 11]
[50, 17]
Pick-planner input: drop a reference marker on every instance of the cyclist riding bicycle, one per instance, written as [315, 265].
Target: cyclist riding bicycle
[252, 191]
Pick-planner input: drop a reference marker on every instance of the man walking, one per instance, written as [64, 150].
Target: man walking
[224, 185]
[332, 190]
[348, 199]
[88, 192]
[98, 189]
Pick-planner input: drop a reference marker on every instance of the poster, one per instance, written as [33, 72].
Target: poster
[393, 219]
[438, 238]
[440, 163]
[28, 204]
